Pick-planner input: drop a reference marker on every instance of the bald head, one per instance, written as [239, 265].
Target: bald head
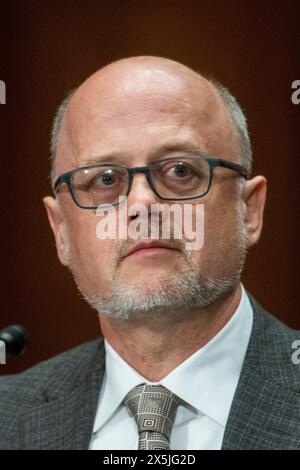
[134, 85]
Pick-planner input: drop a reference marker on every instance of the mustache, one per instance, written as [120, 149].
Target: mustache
[157, 231]
[168, 238]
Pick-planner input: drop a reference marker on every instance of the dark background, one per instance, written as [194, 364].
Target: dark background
[48, 47]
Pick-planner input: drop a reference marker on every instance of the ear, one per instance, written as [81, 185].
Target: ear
[254, 198]
[57, 224]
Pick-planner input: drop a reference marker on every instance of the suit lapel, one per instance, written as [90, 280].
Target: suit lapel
[262, 410]
[258, 415]
[67, 421]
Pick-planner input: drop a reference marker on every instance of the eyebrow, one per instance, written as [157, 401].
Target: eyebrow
[184, 146]
[113, 157]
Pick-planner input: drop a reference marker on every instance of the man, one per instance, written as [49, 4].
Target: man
[189, 360]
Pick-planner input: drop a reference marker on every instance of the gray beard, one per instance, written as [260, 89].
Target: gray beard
[178, 294]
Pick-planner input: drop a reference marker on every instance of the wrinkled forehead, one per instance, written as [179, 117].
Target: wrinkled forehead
[136, 97]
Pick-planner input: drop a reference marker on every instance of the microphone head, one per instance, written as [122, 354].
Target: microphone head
[16, 338]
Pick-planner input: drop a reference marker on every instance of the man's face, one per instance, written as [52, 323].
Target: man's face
[132, 117]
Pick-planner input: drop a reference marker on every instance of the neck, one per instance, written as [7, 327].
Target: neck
[155, 346]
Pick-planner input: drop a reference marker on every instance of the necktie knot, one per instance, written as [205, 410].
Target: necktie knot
[154, 408]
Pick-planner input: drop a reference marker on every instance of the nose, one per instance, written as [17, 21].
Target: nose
[141, 191]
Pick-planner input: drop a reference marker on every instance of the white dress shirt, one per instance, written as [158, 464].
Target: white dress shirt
[206, 380]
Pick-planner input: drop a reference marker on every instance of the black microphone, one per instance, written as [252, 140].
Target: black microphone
[16, 338]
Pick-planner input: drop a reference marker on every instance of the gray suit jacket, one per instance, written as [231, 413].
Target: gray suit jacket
[52, 405]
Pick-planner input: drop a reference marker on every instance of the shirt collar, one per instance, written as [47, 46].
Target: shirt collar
[119, 379]
[206, 380]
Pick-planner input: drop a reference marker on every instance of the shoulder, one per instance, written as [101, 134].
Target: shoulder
[51, 378]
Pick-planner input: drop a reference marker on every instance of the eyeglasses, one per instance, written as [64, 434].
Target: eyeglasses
[174, 178]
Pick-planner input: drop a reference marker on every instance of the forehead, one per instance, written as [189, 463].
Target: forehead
[140, 110]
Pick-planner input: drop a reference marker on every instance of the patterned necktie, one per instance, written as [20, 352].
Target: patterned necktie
[154, 408]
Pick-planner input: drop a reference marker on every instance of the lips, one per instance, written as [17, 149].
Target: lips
[148, 246]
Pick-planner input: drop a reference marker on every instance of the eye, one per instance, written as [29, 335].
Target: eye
[181, 170]
[178, 170]
[108, 177]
